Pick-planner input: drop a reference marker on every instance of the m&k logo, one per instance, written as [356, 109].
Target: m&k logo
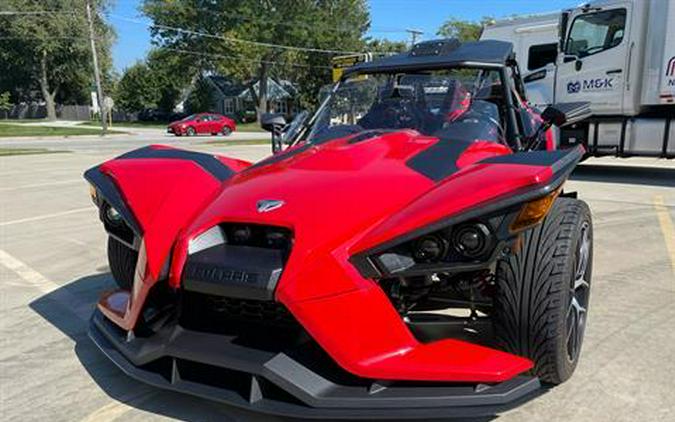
[573, 87]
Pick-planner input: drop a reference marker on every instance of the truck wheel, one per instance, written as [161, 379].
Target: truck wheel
[122, 262]
[543, 291]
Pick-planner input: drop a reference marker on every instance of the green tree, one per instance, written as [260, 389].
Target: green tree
[156, 83]
[200, 98]
[319, 24]
[137, 89]
[386, 46]
[170, 79]
[5, 102]
[463, 30]
[51, 51]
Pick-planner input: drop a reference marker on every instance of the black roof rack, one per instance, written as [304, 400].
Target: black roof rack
[440, 54]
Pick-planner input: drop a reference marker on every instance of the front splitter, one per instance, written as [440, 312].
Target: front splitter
[215, 367]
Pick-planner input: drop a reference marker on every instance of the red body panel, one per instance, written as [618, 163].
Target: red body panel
[340, 198]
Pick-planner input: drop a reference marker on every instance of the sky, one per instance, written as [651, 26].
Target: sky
[389, 19]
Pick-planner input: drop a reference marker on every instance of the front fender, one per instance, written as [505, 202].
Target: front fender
[157, 190]
[481, 187]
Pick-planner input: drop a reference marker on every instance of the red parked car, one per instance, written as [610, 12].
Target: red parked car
[209, 123]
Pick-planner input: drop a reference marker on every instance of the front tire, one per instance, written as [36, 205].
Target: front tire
[226, 131]
[191, 131]
[543, 291]
[122, 262]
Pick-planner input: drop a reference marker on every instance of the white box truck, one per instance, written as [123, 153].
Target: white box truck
[619, 55]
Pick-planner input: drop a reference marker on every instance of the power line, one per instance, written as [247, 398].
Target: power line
[231, 39]
[225, 56]
[197, 33]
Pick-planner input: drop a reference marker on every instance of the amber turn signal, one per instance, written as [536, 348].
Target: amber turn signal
[92, 193]
[533, 212]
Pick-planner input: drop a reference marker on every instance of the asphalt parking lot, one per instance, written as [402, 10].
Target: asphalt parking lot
[53, 268]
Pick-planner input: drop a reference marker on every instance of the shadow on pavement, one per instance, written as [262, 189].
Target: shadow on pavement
[68, 309]
[626, 175]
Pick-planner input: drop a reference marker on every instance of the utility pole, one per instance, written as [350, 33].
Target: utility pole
[97, 75]
[414, 33]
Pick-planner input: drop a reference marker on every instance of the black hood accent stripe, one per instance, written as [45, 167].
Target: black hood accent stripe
[536, 158]
[206, 161]
[439, 160]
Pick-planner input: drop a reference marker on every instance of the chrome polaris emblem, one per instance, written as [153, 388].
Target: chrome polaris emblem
[267, 205]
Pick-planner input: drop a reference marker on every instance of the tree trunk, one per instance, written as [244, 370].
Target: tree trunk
[263, 107]
[47, 95]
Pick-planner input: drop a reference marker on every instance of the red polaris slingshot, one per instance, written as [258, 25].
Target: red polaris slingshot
[410, 252]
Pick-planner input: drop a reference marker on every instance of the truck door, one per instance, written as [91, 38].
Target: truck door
[595, 58]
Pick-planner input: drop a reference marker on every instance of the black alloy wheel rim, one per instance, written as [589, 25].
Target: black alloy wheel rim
[577, 309]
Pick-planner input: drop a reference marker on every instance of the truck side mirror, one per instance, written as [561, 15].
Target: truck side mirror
[274, 123]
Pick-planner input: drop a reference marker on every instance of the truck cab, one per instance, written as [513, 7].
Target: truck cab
[618, 55]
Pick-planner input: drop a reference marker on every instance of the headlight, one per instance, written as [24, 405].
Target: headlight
[465, 244]
[472, 240]
[112, 216]
[237, 234]
[240, 234]
[469, 242]
[429, 248]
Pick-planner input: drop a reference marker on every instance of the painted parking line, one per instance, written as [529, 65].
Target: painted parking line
[45, 217]
[82, 310]
[45, 286]
[667, 228]
[43, 185]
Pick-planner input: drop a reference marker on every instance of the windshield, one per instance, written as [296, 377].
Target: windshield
[426, 101]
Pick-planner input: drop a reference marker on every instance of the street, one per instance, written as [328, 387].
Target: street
[53, 268]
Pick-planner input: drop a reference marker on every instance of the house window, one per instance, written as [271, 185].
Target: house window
[280, 106]
[540, 55]
[228, 106]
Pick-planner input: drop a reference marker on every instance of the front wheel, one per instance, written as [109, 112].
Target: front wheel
[544, 289]
[226, 131]
[191, 131]
[122, 262]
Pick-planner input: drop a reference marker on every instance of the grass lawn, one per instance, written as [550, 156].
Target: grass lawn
[249, 127]
[21, 121]
[241, 127]
[4, 152]
[12, 130]
[157, 125]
